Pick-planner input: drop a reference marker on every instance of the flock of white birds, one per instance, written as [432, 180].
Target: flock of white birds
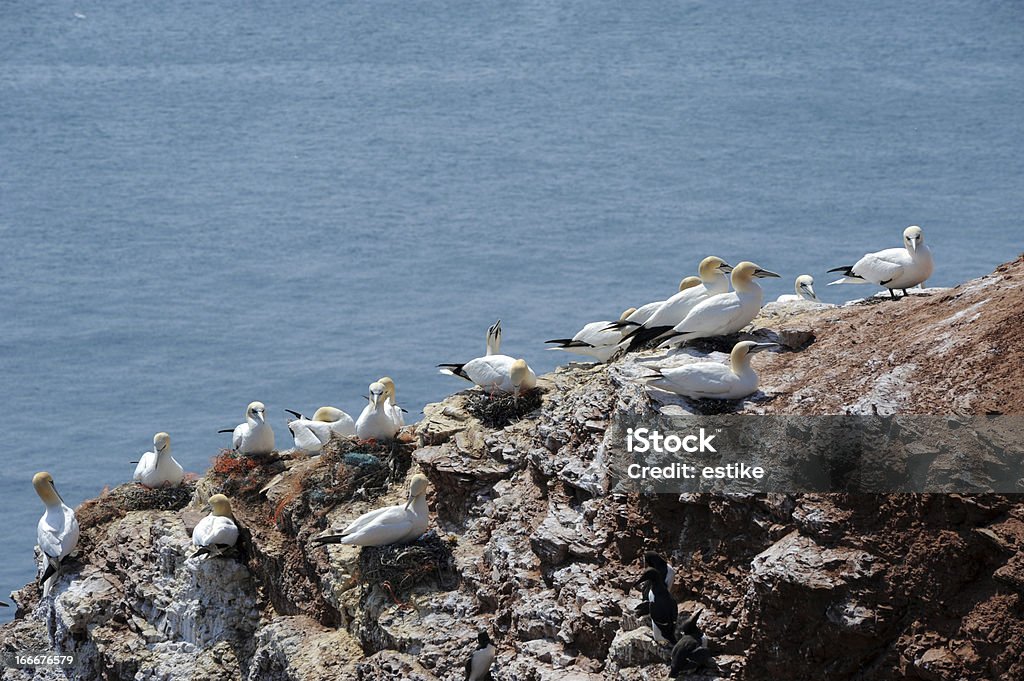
[703, 307]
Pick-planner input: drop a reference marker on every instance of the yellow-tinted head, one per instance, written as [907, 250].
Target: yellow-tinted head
[739, 357]
[689, 282]
[377, 393]
[712, 265]
[626, 313]
[745, 272]
[220, 505]
[913, 238]
[256, 411]
[805, 287]
[418, 485]
[327, 414]
[43, 482]
[389, 387]
[161, 442]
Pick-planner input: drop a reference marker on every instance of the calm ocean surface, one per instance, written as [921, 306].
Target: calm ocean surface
[203, 204]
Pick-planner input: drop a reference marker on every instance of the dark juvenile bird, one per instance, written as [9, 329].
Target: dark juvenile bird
[689, 651]
[479, 663]
[663, 608]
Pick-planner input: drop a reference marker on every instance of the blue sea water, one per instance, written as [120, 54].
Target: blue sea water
[203, 204]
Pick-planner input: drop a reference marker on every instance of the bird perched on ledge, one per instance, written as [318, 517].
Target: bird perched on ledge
[310, 435]
[398, 524]
[158, 468]
[804, 288]
[479, 663]
[893, 268]
[255, 436]
[217, 532]
[57, 531]
[596, 339]
[711, 380]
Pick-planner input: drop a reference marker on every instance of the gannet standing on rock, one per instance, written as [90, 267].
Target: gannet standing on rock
[496, 373]
[217, 532]
[711, 380]
[725, 313]
[713, 271]
[57, 531]
[376, 423]
[389, 525]
[158, 468]
[663, 608]
[255, 436]
[310, 435]
[596, 340]
[804, 291]
[893, 268]
[392, 405]
[479, 663]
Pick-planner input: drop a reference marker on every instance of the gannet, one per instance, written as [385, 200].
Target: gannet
[725, 313]
[498, 373]
[653, 560]
[389, 525]
[479, 663]
[711, 380]
[217, 532]
[57, 531]
[375, 423]
[663, 609]
[595, 340]
[804, 291]
[713, 271]
[389, 392]
[494, 338]
[893, 268]
[689, 282]
[310, 435]
[255, 436]
[158, 468]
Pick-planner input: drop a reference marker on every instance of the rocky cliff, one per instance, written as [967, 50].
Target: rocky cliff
[529, 544]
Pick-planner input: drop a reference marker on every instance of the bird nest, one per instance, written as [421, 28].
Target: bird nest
[243, 475]
[399, 568]
[499, 410]
[114, 503]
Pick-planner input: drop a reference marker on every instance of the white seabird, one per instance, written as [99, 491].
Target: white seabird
[57, 531]
[310, 435]
[596, 339]
[893, 268]
[158, 468]
[713, 271]
[376, 423]
[711, 380]
[217, 532]
[255, 436]
[804, 288]
[689, 282]
[389, 525]
[394, 410]
[479, 663]
[497, 373]
[725, 313]
[494, 338]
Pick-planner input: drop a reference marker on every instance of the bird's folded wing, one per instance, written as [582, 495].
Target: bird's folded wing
[882, 266]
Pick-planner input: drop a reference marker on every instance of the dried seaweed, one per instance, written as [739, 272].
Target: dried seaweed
[499, 410]
[400, 568]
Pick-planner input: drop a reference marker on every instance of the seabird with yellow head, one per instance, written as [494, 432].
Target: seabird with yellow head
[396, 412]
[725, 313]
[804, 291]
[57, 531]
[158, 468]
[893, 268]
[376, 423]
[310, 435]
[255, 436]
[711, 380]
[714, 280]
[217, 532]
[398, 524]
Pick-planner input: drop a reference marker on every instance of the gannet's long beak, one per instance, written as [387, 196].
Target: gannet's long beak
[54, 488]
[764, 273]
[913, 244]
[810, 291]
[725, 268]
